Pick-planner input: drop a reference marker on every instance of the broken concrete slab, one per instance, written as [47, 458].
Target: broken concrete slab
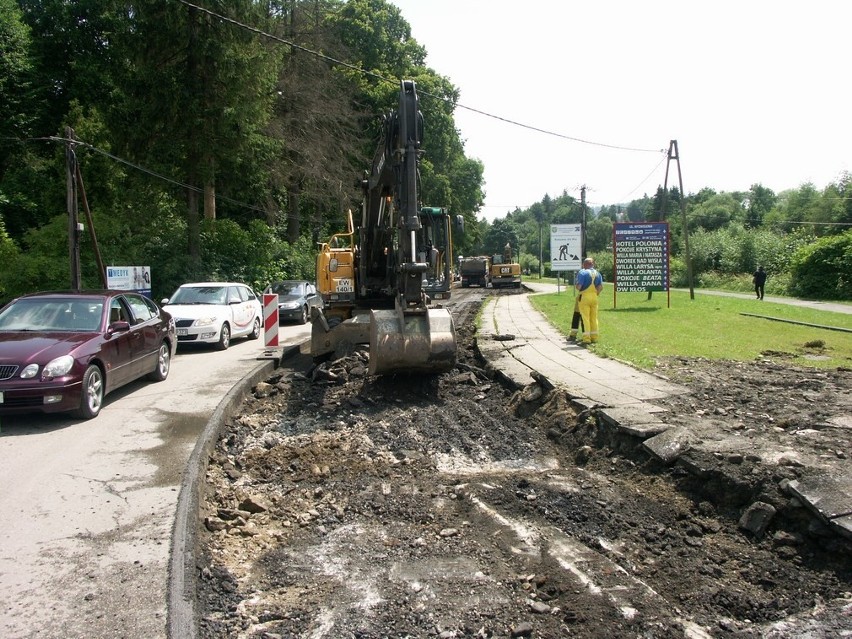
[668, 445]
[644, 431]
[830, 498]
[842, 525]
[639, 420]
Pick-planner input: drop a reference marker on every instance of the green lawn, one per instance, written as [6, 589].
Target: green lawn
[640, 330]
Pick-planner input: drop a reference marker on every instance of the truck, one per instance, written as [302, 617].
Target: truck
[475, 271]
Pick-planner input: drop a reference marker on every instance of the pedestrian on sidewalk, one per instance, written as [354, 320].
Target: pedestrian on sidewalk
[759, 281]
[589, 283]
[576, 319]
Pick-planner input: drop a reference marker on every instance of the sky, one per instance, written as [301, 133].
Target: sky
[752, 91]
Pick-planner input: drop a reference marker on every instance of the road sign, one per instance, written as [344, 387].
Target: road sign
[641, 256]
[566, 242]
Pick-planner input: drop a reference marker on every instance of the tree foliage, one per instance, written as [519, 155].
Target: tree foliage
[239, 147]
[210, 149]
[823, 269]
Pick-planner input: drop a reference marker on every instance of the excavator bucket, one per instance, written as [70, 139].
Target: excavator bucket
[412, 342]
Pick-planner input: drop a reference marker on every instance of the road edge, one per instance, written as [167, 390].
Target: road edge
[182, 614]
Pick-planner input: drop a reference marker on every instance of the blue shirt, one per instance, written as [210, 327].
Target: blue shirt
[587, 277]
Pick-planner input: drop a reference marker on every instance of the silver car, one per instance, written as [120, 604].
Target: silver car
[214, 313]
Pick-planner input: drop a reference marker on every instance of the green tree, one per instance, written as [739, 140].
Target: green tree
[598, 234]
[376, 36]
[716, 212]
[665, 205]
[498, 234]
[794, 209]
[16, 110]
[635, 211]
[760, 201]
[199, 92]
[9, 254]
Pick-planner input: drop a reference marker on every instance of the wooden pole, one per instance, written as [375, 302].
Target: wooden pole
[71, 206]
[91, 224]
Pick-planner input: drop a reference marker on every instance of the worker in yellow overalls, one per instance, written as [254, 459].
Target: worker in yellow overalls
[589, 283]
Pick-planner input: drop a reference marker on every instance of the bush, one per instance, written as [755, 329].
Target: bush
[823, 270]
[677, 273]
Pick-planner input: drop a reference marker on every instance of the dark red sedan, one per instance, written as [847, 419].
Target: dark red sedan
[64, 351]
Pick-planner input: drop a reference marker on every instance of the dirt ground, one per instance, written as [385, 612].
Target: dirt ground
[343, 505]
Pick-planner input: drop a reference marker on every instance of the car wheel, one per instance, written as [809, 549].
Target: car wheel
[224, 338]
[164, 362]
[304, 318]
[255, 330]
[92, 396]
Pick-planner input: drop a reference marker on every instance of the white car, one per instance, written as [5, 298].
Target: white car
[214, 313]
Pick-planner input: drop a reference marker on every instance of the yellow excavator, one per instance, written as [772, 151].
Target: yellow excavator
[376, 279]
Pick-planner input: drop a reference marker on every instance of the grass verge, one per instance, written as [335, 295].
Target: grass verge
[640, 330]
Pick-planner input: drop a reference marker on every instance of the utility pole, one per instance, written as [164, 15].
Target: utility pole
[583, 210]
[71, 205]
[674, 155]
[91, 224]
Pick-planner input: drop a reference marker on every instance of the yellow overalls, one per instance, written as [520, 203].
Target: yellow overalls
[589, 310]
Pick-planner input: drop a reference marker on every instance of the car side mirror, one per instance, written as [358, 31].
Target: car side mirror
[165, 300]
[119, 327]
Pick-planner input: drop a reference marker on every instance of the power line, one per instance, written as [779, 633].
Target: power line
[143, 169]
[421, 92]
[647, 177]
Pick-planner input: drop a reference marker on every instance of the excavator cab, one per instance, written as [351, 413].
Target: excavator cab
[438, 228]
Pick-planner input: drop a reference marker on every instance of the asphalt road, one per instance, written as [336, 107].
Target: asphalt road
[88, 507]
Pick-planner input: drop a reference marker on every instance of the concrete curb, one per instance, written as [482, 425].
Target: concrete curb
[182, 620]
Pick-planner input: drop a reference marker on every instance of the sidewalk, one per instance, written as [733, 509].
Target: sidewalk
[537, 346]
[519, 343]
[835, 307]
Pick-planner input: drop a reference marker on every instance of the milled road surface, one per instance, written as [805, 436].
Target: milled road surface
[341, 505]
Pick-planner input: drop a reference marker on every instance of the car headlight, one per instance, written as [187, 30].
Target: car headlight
[58, 367]
[288, 306]
[205, 321]
[30, 371]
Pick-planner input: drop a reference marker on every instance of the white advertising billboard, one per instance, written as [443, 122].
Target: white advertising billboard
[129, 278]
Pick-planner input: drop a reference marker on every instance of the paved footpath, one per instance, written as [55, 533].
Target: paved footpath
[519, 343]
[518, 340]
[836, 307]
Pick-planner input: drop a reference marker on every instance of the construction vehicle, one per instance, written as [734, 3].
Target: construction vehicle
[436, 240]
[375, 279]
[475, 271]
[505, 272]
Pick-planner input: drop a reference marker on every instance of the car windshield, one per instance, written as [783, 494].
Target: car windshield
[39, 314]
[200, 295]
[289, 289]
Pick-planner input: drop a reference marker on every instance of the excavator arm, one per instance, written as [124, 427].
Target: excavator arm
[405, 333]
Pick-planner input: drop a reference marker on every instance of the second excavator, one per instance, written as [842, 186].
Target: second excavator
[375, 279]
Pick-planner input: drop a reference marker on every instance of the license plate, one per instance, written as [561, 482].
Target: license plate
[345, 285]
[181, 331]
[1, 397]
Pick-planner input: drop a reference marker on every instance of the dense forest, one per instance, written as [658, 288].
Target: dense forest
[224, 141]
